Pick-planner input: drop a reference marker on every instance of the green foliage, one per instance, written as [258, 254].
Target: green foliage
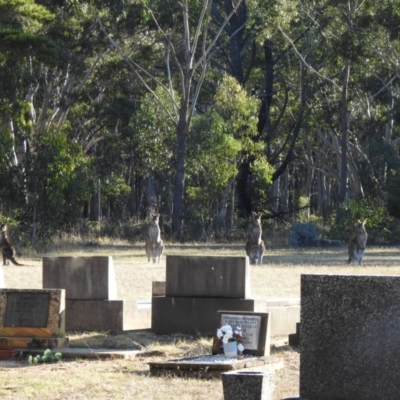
[302, 202]
[267, 16]
[220, 139]
[59, 178]
[154, 132]
[47, 357]
[381, 227]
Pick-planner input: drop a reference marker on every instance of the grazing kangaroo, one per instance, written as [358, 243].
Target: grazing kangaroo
[358, 244]
[255, 245]
[154, 243]
[7, 249]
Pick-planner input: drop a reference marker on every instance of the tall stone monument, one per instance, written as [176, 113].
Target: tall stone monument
[350, 337]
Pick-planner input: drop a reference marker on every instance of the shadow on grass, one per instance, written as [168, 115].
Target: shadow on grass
[276, 350]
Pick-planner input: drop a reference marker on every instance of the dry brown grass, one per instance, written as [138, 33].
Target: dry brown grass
[129, 379]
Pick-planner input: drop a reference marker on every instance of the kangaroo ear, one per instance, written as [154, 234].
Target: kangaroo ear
[358, 221]
[365, 220]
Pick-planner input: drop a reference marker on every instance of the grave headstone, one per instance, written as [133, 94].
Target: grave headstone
[91, 295]
[208, 276]
[255, 328]
[32, 318]
[83, 278]
[201, 286]
[349, 337]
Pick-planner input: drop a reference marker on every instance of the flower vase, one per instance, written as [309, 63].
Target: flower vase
[230, 349]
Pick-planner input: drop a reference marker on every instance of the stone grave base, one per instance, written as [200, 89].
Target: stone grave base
[33, 342]
[168, 312]
[107, 315]
[204, 367]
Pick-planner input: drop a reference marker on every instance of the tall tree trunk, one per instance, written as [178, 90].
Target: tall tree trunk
[263, 125]
[275, 195]
[264, 115]
[344, 125]
[179, 188]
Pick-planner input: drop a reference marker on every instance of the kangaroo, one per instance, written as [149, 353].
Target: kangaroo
[154, 243]
[7, 249]
[255, 252]
[255, 229]
[255, 245]
[358, 244]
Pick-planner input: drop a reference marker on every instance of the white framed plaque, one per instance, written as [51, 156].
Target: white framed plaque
[250, 325]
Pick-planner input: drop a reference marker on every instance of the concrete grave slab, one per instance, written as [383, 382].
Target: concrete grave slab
[349, 337]
[32, 318]
[83, 278]
[208, 276]
[205, 367]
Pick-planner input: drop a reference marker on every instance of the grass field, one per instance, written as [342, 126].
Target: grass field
[129, 379]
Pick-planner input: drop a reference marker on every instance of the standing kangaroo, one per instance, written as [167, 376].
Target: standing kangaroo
[255, 229]
[154, 243]
[358, 244]
[255, 245]
[7, 249]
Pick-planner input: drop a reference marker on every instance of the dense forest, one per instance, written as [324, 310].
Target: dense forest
[202, 111]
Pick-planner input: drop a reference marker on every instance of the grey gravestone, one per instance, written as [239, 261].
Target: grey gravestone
[83, 278]
[248, 385]
[255, 328]
[208, 276]
[350, 337]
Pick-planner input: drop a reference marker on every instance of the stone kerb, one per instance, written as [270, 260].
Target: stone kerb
[350, 340]
[83, 278]
[255, 327]
[208, 276]
[32, 318]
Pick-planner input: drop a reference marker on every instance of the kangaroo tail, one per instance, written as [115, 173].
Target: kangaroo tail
[14, 261]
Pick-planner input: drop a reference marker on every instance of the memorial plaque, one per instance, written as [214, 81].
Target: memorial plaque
[32, 318]
[27, 309]
[250, 327]
[255, 327]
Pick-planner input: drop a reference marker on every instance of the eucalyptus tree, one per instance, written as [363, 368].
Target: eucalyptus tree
[345, 38]
[22, 41]
[54, 92]
[187, 47]
[255, 53]
[223, 140]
